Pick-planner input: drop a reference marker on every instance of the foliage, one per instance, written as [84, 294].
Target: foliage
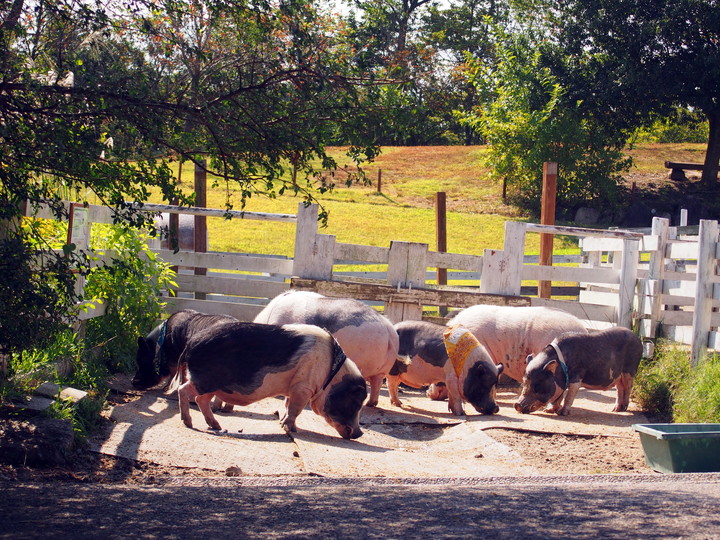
[669, 389]
[661, 54]
[36, 294]
[659, 380]
[129, 288]
[682, 125]
[98, 99]
[527, 119]
[699, 396]
[83, 414]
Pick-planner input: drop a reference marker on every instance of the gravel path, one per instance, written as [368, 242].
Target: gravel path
[642, 506]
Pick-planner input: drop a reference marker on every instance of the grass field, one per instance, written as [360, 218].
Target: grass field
[403, 209]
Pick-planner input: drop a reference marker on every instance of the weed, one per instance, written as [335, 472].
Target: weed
[698, 399]
[659, 379]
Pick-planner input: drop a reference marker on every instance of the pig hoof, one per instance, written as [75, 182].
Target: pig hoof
[397, 403]
[371, 404]
[563, 412]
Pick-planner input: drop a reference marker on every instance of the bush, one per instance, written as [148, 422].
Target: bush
[699, 397]
[527, 118]
[669, 389]
[129, 288]
[659, 379]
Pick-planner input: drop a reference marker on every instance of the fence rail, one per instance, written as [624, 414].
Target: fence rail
[661, 281]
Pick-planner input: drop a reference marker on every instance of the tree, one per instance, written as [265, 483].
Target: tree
[242, 85]
[629, 58]
[457, 30]
[527, 119]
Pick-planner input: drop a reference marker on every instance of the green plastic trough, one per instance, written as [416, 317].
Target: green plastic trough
[678, 448]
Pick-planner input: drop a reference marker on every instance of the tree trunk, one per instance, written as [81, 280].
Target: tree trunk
[712, 155]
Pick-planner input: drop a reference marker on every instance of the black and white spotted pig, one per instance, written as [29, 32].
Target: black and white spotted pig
[597, 361]
[431, 353]
[158, 353]
[242, 363]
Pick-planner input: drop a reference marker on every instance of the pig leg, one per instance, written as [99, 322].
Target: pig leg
[624, 385]
[393, 383]
[228, 407]
[216, 404]
[186, 392]
[294, 404]
[555, 406]
[569, 398]
[375, 385]
[203, 403]
[455, 402]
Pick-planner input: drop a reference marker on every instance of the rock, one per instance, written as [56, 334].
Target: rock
[50, 390]
[39, 441]
[587, 216]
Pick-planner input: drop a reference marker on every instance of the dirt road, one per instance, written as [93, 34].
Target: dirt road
[600, 507]
[416, 472]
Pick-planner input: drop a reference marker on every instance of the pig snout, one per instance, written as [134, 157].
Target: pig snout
[519, 408]
[491, 408]
[349, 432]
[524, 406]
[437, 392]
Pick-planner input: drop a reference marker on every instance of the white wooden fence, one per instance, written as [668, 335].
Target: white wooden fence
[661, 283]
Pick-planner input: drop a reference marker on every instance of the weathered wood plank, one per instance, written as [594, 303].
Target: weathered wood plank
[228, 261]
[570, 273]
[250, 288]
[350, 253]
[579, 231]
[703, 297]
[243, 312]
[426, 296]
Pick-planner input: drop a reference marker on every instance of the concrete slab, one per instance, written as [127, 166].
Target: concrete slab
[150, 429]
[421, 440]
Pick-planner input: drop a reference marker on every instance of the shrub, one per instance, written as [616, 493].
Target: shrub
[659, 379]
[698, 399]
[129, 288]
[528, 118]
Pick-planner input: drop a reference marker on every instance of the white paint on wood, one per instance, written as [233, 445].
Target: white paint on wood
[707, 264]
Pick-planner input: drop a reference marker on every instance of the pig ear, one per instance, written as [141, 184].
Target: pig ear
[500, 368]
[551, 366]
[528, 359]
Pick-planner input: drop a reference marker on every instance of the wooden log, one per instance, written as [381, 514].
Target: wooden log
[426, 296]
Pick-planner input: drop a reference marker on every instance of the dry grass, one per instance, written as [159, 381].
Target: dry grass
[403, 209]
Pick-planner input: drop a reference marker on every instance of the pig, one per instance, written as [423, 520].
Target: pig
[510, 334]
[158, 353]
[365, 335]
[244, 362]
[598, 361]
[422, 357]
[470, 374]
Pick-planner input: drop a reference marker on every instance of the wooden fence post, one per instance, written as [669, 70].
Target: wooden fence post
[200, 228]
[79, 234]
[407, 263]
[708, 237]
[502, 270]
[628, 282]
[441, 239]
[314, 253]
[547, 217]
[650, 301]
